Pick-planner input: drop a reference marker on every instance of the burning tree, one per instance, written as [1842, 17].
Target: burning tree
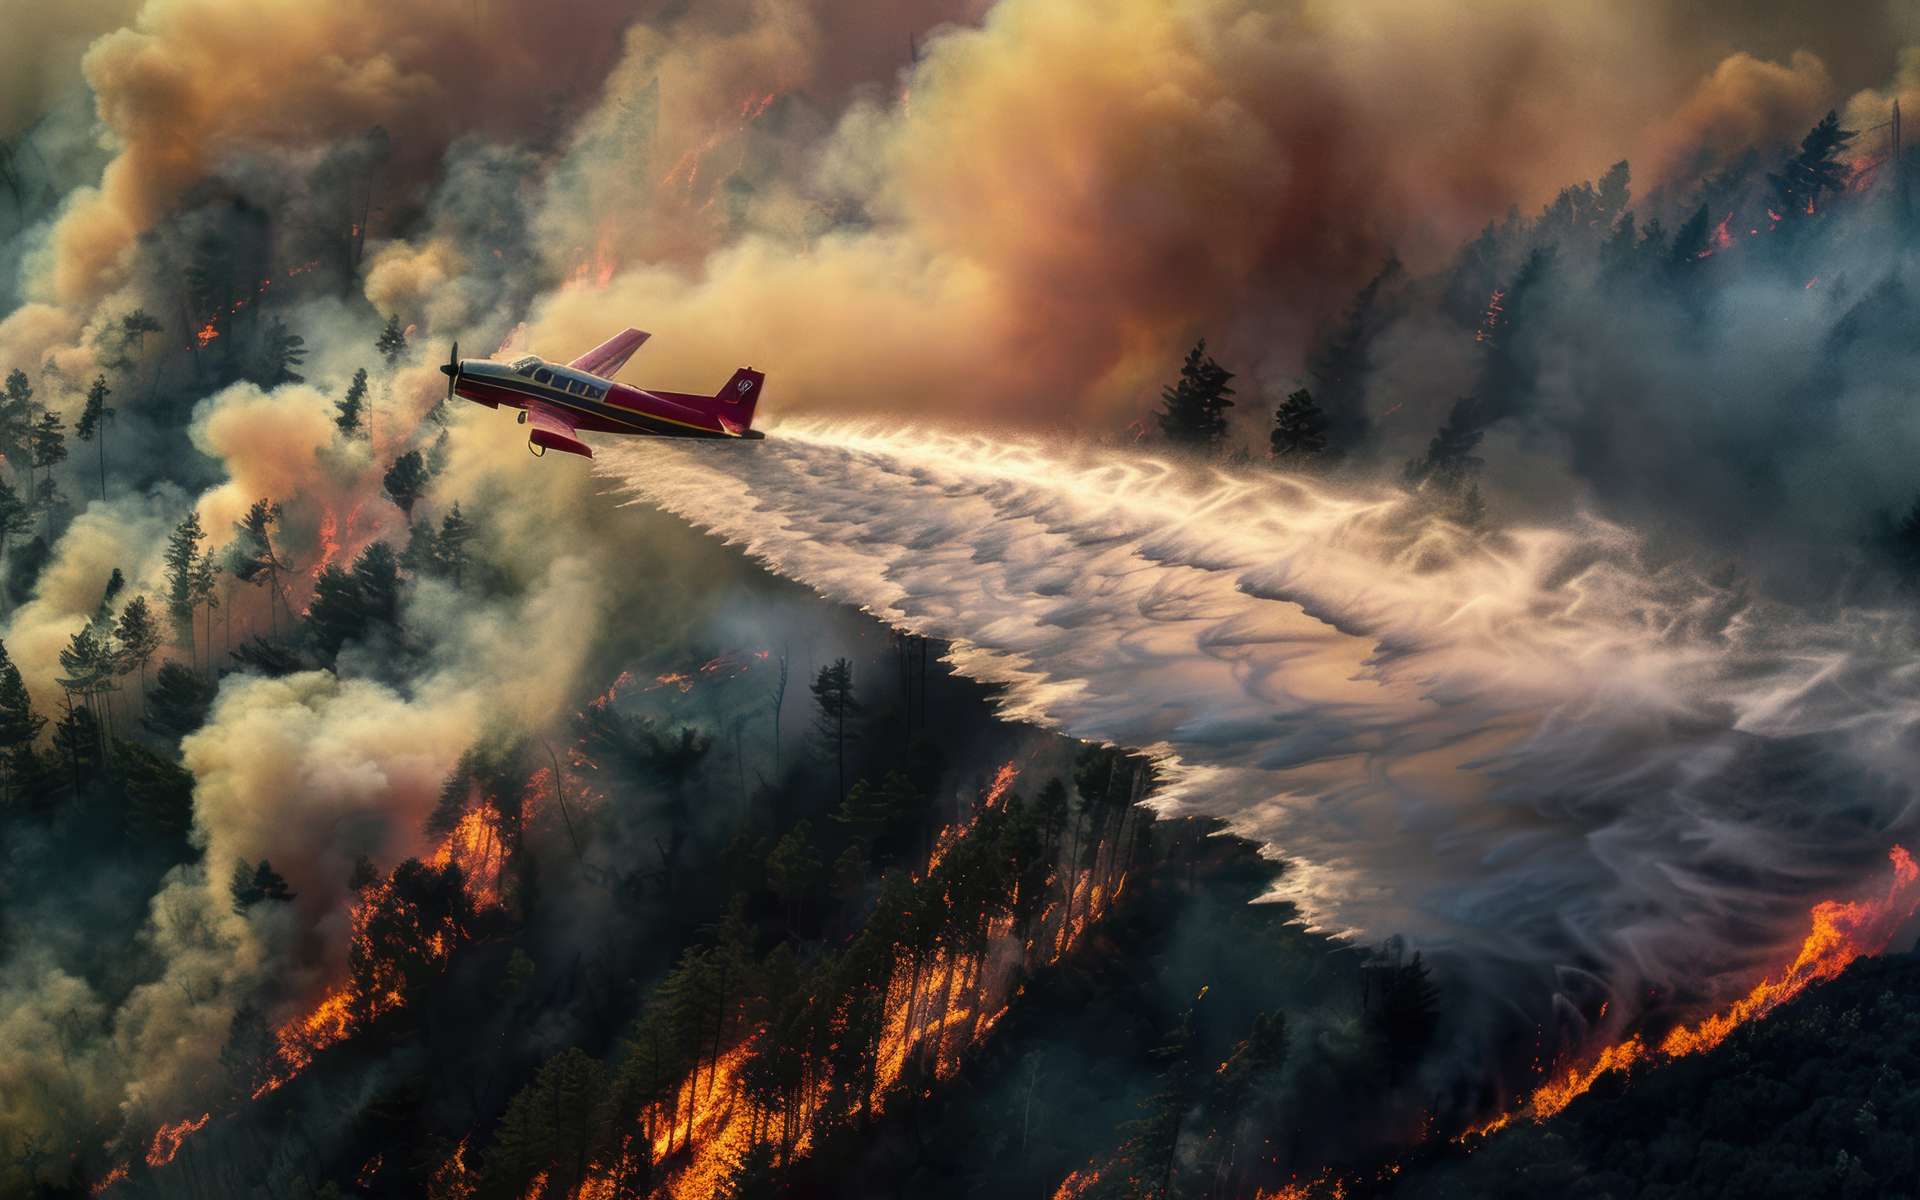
[1194, 413]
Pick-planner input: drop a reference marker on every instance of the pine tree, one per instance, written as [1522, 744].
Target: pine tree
[139, 637]
[49, 445]
[16, 518]
[1195, 408]
[16, 421]
[392, 342]
[1812, 172]
[452, 544]
[1342, 366]
[377, 574]
[1299, 429]
[1450, 462]
[254, 559]
[280, 351]
[92, 426]
[87, 663]
[179, 702]
[836, 704]
[406, 481]
[352, 406]
[182, 555]
[19, 726]
[253, 885]
[206, 578]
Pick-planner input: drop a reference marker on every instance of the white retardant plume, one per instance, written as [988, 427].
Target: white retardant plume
[1561, 773]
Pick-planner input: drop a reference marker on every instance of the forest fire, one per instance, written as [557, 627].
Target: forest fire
[686, 170]
[168, 1138]
[117, 1175]
[934, 1006]
[1842, 932]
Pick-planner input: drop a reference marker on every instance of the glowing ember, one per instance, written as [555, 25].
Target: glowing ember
[1495, 316]
[205, 334]
[166, 1141]
[109, 1179]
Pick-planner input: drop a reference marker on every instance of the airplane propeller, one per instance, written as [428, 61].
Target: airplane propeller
[452, 369]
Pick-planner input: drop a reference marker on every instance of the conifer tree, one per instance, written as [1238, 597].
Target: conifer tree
[406, 481]
[182, 555]
[451, 556]
[16, 423]
[351, 407]
[93, 422]
[253, 558]
[1194, 412]
[836, 706]
[139, 637]
[49, 446]
[1299, 429]
[1813, 172]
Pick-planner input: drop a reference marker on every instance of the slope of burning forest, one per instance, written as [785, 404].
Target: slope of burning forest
[1817, 1100]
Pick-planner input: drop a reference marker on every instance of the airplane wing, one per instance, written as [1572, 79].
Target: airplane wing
[609, 356]
[553, 430]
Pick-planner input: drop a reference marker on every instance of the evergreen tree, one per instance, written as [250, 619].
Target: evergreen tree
[87, 666]
[378, 575]
[92, 426]
[139, 636]
[178, 703]
[1614, 191]
[793, 870]
[351, 407]
[1343, 364]
[182, 555]
[159, 795]
[16, 518]
[406, 480]
[1813, 172]
[253, 885]
[77, 745]
[392, 342]
[206, 578]
[49, 446]
[1450, 462]
[836, 705]
[1194, 414]
[1149, 1154]
[422, 555]
[254, 559]
[16, 421]
[1692, 241]
[1299, 429]
[280, 351]
[451, 556]
[134, 328]
[1403, 1011]
[19, 726]
[550, 1129]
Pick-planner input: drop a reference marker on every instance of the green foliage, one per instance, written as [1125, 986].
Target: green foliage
[351, 407]
[279, 351]
[253, 884]
[1299, 428]
[392, 342]
[138, 635]
[181, 558]
[178, 702]
[549, 1128]
[159, 795]
[1194, 409]
[1815, 171]
[406, 481]
[835, 708]
[16, 419]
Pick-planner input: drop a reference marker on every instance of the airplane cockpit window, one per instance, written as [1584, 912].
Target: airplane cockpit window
[525, 364]
[543, 376]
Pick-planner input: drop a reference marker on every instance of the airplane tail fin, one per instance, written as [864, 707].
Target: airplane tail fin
[738, 398]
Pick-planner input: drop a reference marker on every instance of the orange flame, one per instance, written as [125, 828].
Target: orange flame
[112, 1177]
[1842, 931]
[167, 1139]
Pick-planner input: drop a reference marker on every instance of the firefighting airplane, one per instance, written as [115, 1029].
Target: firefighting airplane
[560, 401]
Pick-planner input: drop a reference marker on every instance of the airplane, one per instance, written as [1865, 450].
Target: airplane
[562, 400]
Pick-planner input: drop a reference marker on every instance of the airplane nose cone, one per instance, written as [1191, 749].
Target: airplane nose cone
[448, 369]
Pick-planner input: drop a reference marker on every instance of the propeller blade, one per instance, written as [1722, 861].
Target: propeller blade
[453, 368]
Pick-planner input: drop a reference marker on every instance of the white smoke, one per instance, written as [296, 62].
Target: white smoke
[1543, 761]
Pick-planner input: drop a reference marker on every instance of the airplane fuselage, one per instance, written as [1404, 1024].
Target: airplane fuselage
[592, 403]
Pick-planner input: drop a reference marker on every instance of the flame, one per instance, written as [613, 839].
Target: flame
[937, 1008]
[1077, 1184]
[205, 334]
[1495, 315]
[112, 1177]
[167, 1139]
[686, 169]
[1842, 931]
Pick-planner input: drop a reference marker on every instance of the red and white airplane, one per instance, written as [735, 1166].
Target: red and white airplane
[561, 401]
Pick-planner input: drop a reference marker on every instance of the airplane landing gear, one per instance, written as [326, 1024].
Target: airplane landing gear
[522, 417]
